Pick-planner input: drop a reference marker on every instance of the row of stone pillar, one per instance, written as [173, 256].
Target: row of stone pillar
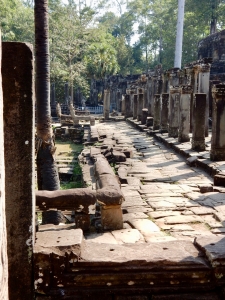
[181, 112]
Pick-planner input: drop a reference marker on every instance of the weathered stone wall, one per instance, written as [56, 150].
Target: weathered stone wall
[214, 46]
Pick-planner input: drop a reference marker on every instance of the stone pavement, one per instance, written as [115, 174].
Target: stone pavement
[165, 198]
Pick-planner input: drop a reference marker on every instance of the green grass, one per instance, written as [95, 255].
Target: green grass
[76, 181]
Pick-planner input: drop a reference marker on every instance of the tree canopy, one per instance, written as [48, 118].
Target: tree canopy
[94, 39]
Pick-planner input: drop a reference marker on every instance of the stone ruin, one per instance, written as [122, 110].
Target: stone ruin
[57, 264]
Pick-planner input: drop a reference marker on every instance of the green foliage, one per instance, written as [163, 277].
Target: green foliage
[17, 21]
[92, 41]
[101, 59]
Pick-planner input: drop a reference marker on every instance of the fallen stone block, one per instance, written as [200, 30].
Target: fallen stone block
[192, 160]
[74, 199]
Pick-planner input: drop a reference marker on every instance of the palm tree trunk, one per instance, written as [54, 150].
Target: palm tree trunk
[47, 172]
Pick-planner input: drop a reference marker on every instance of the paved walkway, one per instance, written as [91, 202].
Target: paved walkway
[165, 199]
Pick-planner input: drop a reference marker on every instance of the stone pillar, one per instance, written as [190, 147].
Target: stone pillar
[123, 108]
[132, 92]
[149, 96]
[157, 108]
[118, 99]
[3, 237]
[174, 79]
[164, 112]
[203, 87]
[184, 115]
[159, 86]
[144, 116]
[106, 104]
[174, 102]
[153, 92]
[190, 80]
[211, 84]
[198, 132]
[128, 111]
[135, 107]
[140, 100]
[218, 123]
[17, 78]
[166, 88]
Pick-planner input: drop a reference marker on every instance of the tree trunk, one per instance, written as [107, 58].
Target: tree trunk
[3, 239]
[179, 35]
[47, 172]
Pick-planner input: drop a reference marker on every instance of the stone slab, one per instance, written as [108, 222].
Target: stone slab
[162, 214]
[69, 240]
[128, 236]
[202, 210]
[101, 238]
[134, 215]
[177, 253]
[182, 219]
[145, 226]
[214, 249]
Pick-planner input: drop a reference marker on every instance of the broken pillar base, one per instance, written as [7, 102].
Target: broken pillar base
[198, 145]
[111, 217]
[219, 180]
[149, 121]
[92, 121]
[183, 138]
[82, 221]
[217, 154]
[173, 132]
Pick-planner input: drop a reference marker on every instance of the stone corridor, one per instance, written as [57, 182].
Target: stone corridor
[165, 198]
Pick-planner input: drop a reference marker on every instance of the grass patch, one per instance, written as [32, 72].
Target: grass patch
[71, 185]
[67, 147]
[63, 147]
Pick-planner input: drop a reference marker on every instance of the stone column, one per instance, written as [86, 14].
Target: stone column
[135, 106]
[198, 132]
[123, 108]
[144, 116]
[140, 100]
[132, 92]
[190, 80]
[128, 112]
[3, 237]
[184, 115]
[218, 124]
[18, 98]
[153, 92]
[166, 88]
[149, 96]
[157, 108]
[174, 79]
[164, 112]
[211, 84]
[203, 87]
[195, 79]
[106, 104]
[174, 102]
[159, 86]
[118, 99]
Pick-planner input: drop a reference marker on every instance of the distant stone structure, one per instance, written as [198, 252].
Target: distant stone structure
[214, 46]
